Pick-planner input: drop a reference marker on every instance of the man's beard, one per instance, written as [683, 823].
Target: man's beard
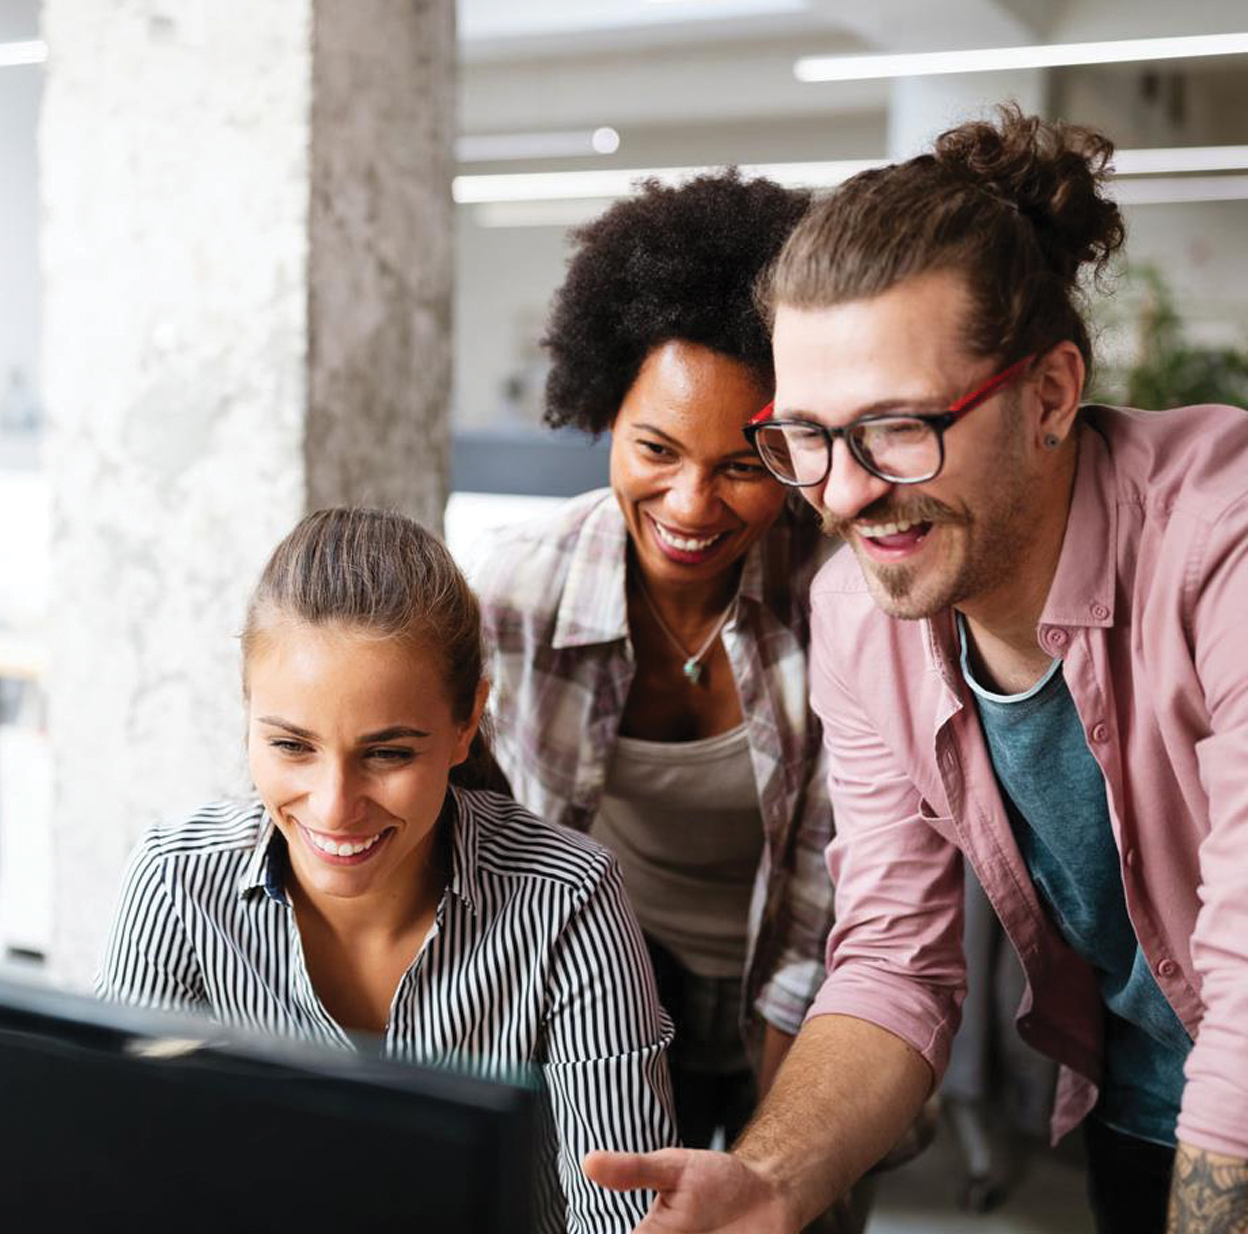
[995, 539]
[921, 510]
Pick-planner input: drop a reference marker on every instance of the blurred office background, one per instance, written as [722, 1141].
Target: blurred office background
[256, 258]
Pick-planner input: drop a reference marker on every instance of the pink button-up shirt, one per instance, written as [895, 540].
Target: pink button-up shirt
[1149, 612]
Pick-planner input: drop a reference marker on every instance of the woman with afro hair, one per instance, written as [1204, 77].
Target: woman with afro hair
[648, 642]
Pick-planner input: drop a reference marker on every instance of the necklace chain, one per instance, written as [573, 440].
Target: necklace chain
[692, 667]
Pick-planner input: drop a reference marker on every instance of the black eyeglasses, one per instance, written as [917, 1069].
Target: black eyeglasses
[900, 447]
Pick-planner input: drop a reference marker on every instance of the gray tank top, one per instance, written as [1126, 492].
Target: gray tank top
[683, 819]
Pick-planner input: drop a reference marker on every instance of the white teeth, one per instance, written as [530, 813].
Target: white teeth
[685, 545]
[345, 848]
[876, 530]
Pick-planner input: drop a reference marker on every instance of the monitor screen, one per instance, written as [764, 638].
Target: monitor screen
[116, 1118]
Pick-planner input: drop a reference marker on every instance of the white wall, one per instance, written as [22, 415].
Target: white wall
[504, 279]
[1200, 248]
[20, 297]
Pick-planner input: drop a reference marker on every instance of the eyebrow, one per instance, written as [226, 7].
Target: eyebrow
[878, 408]
[658, 432]
[393, 733]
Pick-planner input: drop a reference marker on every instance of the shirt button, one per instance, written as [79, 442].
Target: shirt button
[1100, 731]
[1100, 612]
[1167, 968]
[1057, 637]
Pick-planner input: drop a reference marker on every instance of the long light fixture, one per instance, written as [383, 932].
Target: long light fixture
[622, 182]
[607, 183]
[502, 147]
[1175, 160]
[27, 51]
[733, 8]
[1179, 190]
[997, 59]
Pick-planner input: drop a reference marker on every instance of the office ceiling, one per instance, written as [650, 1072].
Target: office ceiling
[712, 80]
[503, 29]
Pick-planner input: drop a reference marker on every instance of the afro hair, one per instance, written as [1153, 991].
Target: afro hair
[670, 263]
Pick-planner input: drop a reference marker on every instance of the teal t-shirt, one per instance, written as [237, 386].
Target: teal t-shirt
[1054, 794]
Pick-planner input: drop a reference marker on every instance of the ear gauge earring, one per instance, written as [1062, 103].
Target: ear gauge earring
[1051, 442]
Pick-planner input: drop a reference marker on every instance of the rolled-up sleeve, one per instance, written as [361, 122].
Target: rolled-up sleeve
[895, 954]
[606, 1054]
[1214, 1114]
[806, 915]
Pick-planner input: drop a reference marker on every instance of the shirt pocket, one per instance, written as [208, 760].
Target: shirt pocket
[942, 824]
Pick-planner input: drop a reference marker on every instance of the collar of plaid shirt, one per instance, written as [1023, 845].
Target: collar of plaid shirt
[594, 607]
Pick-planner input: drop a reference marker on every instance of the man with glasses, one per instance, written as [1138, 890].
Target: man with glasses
[900, 447]
[1034, 661]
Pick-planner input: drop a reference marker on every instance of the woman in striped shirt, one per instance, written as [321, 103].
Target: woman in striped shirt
[373, 886]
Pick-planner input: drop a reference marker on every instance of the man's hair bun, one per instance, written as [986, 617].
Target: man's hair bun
[1014, 204]
[1051, 173]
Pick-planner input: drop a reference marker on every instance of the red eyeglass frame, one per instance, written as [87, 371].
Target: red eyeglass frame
[939, 420]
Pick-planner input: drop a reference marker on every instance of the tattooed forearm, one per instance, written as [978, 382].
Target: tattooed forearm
[1209, 1194]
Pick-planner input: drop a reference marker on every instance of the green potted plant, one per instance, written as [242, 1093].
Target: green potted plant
[1160, 367]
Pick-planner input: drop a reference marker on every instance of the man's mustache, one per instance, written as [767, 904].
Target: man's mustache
[886, 510]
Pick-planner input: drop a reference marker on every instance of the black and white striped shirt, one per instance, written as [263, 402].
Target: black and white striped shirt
[534, 957]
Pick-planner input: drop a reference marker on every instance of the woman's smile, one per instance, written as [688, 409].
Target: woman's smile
[683, 547]
[344, 850]
[693, 494]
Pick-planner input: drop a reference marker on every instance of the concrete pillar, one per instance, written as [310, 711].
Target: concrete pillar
[247, 263]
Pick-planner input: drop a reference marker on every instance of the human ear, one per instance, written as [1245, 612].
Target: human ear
[1058, 378]
[469, 728]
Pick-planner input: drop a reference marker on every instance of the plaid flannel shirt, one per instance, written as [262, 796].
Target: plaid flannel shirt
[561, 663]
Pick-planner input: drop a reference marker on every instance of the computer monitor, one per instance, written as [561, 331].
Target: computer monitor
[113, 1118]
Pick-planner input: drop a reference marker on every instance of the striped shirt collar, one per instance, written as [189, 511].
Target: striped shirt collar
[465, 883]
[268, 863]
[594, 607]
[266, 867]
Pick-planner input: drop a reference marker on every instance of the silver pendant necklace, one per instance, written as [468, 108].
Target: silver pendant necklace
[692, 667]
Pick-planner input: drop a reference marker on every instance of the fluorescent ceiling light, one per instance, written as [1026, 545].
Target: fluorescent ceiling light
[1167, 190]
[31, 51]
[542, 186]
[735, 8]
[608, 183]
[995, 59]
[1175, 160]
[499, 147]
[1130, 191]
[622, 182]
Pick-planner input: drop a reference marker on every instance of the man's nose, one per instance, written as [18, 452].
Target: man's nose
[850, 487]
